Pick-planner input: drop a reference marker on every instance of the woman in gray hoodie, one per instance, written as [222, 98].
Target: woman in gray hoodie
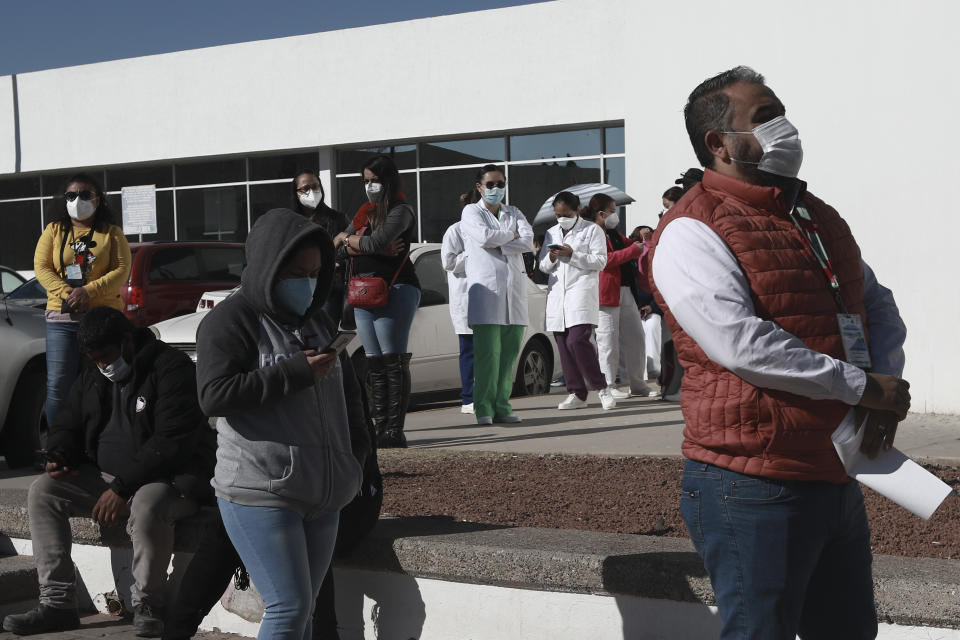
[285, 464]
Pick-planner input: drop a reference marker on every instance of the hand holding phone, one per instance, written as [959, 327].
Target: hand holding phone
[339, 342]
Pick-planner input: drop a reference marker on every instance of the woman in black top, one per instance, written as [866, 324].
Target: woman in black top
[308, 201]
[384, 220]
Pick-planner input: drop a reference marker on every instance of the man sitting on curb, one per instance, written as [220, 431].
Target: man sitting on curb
[131, 444]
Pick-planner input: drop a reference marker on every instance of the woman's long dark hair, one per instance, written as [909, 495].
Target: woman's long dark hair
[474, 194]
[386, 171]
[295, 203]
[102, 218]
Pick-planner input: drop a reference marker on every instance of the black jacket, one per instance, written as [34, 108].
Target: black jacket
[173, 439]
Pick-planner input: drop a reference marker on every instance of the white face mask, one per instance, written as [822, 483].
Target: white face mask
[80, 209]
[117, 371]
[373, 191]
[311, 198]
[782, 152]
[567, 223]
[611, 221]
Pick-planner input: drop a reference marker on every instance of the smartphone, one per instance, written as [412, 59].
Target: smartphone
[339, 342]
[554, 246]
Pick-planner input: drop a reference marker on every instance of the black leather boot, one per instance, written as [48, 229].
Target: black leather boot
[405, 372]
[379, 393]
[393, 436]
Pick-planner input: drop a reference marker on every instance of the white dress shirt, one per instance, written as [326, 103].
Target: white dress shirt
[702, 283]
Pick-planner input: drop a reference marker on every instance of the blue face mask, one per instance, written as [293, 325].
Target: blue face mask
[295, 294]
[494, 196]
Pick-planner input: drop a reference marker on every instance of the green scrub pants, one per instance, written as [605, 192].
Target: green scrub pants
[495, 351]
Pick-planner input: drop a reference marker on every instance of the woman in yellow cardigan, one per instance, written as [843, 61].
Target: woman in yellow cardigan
[82, 260]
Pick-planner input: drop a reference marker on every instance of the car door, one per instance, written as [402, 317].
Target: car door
[433, 342]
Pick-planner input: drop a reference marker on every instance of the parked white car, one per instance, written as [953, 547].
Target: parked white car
[23, 380]
[433, 342]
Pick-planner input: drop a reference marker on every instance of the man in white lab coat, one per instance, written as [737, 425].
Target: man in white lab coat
[496, 236]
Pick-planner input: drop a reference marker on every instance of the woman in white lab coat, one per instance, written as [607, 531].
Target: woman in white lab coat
[496, 236]
[453, 256]
[573, 253]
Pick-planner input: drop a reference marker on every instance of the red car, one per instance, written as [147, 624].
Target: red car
[168, 278]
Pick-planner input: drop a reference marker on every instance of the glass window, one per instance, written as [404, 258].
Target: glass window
[264, 197]
[440, 200]
[614, 142]
[615, 172]
[455, 152]
[274, 167]
[531, 185]
[222, 263]
[9, 280]
[20, 187]
[433, 280]
[213, 213]
[352, 160]
[20, 222]
[54, 183]
[159, 175]
[215, 172]
[560, 144]
[31, 290]
[174, 263]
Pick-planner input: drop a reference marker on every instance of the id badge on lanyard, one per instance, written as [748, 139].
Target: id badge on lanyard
[852, 334]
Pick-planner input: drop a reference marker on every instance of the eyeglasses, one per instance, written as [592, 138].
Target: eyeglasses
[307, 189]
[86, 194]
[500, 184]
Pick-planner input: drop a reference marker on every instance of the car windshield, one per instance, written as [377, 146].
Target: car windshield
[28, 290]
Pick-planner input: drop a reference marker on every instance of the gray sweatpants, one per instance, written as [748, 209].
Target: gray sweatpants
[154, 510]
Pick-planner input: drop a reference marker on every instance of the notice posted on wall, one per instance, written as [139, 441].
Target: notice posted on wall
[139, 209]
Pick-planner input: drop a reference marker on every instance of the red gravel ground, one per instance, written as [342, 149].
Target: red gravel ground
[637, 495]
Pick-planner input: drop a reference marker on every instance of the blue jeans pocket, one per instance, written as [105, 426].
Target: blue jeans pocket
[755, 490]
[690, 511]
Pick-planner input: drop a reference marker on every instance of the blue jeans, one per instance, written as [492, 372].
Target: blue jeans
[287, 558]
[63, 364]
[466, 367]
[784, 557]
[386, 330]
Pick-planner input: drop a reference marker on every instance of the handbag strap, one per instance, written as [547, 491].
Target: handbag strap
[395, 275]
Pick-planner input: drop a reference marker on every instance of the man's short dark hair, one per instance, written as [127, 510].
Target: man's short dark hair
[708, 107]
[102, 327]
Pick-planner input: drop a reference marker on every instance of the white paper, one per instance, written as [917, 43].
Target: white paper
[139, 209]
[891, 473]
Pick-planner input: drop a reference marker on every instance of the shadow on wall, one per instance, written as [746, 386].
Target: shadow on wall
[662, 595]
[373, 588]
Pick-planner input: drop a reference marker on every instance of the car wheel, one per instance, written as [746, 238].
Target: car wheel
[26, 428]
[534, 369]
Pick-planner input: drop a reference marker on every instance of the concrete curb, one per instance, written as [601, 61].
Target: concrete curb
[908, 591]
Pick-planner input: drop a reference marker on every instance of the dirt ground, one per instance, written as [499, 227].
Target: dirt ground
[638, 495]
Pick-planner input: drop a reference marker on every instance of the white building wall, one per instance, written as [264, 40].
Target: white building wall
[7, 131]
[870, 86]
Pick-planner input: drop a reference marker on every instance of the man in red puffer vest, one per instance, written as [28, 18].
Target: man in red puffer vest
[755, 275]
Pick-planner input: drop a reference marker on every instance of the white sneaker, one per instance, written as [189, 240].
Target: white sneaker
[484, 420]
[617, 393]
[466, 408]
[644, 392]
[673, 397]
[572, 402]
[607, 401]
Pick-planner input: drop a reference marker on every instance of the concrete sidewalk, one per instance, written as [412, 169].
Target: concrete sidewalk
[638, 426]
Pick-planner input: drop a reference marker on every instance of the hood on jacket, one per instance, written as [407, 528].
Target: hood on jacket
[270, 242]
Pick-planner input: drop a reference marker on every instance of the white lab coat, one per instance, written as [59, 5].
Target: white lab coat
[573, 285]
[496, 278]
[453, 256]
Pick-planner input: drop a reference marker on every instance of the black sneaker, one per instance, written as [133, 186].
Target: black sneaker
[392, 439]
[43, 619]
[147, 621]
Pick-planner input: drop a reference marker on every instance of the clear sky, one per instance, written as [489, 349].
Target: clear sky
[46, 34]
